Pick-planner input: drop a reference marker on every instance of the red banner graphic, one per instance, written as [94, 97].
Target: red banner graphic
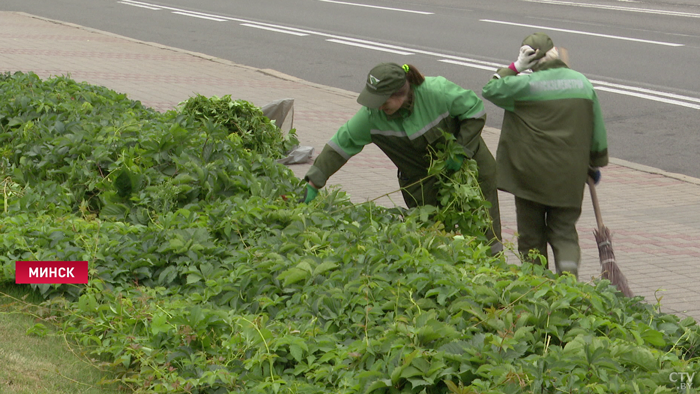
[53, 272]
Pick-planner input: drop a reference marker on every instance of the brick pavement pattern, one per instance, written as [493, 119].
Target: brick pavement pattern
[654, 216]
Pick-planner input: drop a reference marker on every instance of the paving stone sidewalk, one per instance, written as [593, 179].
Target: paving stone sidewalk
[654, 216]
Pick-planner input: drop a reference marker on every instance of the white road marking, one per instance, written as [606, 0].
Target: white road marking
[649, 91]
[583, 33]
[648, 97]
[618, 8]
[199, 16]
[135, 4]
[375, 6]
[358, 42]
[492, 65]
[274, 29]
[467, 64]
[647, 94]
[376, 48]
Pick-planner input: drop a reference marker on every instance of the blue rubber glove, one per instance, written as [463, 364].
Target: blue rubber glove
[310, 193]
[454, 163]
[594, 173]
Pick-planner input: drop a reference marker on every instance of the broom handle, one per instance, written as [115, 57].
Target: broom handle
[596, 206]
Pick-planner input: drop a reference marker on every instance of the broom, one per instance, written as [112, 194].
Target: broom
[610, 270]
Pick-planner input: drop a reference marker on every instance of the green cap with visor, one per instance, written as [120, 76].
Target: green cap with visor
[383, 80]
[539, 41]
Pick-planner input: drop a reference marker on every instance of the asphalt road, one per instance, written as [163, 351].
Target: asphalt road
[642, 56]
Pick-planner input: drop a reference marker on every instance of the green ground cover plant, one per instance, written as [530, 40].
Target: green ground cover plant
[44, 361]
[208, 277]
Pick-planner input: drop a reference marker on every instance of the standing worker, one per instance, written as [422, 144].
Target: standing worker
[405, 114]
[553, 137]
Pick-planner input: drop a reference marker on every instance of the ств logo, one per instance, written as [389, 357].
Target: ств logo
[52, 272]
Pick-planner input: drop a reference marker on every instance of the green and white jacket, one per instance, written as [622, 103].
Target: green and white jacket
[405, 137]
[552, 132]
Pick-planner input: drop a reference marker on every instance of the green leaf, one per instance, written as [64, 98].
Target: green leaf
[296, 352]
[653, 337]
[115, 211]
[159, 323]
[324, 267]
[123, 183]
[293, 275]
[38, 329]
[168, 275]
[378, 384]
[193, 278]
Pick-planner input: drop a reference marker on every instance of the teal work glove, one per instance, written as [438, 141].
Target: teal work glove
[310, 193]
[454, 163]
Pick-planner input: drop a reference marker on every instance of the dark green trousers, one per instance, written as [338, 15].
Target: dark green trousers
[539, 225]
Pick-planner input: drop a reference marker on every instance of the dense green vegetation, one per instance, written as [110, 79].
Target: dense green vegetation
[42, 363]
[208, 277]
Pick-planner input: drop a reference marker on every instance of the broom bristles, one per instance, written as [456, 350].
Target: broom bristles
[610, 270]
